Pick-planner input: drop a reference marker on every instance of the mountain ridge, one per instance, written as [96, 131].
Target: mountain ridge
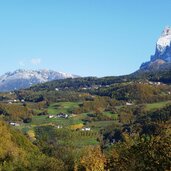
[22, 78]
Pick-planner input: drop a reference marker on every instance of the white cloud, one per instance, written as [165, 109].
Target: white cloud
[36, 61]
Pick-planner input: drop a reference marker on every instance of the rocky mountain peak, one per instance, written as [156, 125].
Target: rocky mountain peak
[164, 40]
[162, 56]
[166, 31]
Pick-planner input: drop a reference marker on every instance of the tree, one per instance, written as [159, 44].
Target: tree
[91, 160]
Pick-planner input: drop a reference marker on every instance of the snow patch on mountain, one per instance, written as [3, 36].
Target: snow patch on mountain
[164, 40]
[26, 78]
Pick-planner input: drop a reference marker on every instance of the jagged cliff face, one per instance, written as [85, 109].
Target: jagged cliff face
[162, 57]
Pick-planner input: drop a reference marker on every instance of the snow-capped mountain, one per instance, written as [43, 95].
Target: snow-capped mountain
[164, 40]
[162, 57]
[20, 79]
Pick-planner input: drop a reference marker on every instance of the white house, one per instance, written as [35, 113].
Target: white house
[51, 116]
[86, 129]
[62, 115]
[129, 104]
[59, 127]
[14, 124]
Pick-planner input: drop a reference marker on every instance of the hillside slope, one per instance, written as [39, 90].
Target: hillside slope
[18, 153]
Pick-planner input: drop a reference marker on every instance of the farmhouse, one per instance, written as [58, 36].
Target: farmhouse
[129, 104]
[14, 124]
[51, 116]
[59, 127]
[62, 115]
[86, 129]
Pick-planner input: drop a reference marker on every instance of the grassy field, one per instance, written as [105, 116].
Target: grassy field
[83, 141]
[44, 120]
[100, 124]
[53, 109]
[111, 115]
[78, 138]
[62, 107]
[157, 105]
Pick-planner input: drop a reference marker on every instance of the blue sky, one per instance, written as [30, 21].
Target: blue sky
[84, 37]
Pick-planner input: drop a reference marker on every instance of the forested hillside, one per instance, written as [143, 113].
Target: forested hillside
[18, 153]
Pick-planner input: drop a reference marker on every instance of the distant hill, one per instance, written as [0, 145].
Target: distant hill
[20, 79]
[84, 83]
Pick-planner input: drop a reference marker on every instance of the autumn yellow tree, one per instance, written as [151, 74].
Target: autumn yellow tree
[91, 160]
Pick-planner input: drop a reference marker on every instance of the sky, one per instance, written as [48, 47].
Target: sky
[83, 37]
